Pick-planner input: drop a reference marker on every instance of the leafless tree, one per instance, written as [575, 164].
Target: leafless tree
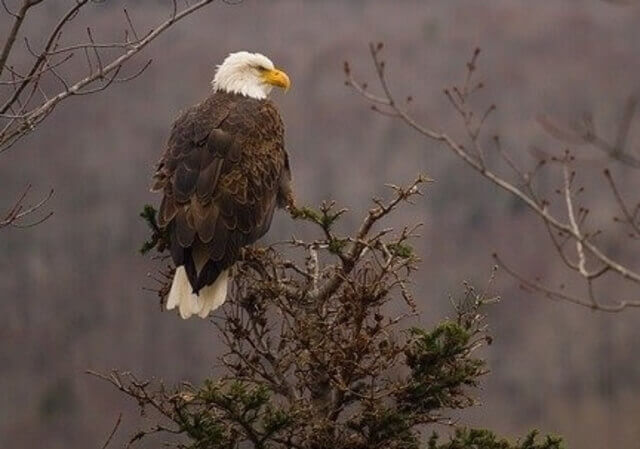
[582, 247]
[30, 91]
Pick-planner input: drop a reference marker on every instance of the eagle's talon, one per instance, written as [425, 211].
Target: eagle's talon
[290, 204]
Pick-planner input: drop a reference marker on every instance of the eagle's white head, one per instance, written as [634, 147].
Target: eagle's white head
[249, 74]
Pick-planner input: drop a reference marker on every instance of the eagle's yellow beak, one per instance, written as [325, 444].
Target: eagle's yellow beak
[277, 78]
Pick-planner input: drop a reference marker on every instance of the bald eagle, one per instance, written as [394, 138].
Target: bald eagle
[223, 173]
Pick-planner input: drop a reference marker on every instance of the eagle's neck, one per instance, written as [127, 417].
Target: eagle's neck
[249, 93]
[242, 84]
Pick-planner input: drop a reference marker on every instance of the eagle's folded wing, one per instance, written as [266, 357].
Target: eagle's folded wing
[221, 176]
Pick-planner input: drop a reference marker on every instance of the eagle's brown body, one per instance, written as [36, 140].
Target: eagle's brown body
[223, 173]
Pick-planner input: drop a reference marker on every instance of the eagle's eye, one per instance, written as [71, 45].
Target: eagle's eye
[261, 69]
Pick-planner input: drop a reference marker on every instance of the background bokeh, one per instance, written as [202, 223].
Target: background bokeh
[71, 289]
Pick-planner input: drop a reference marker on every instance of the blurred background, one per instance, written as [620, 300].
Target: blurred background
[71, 289]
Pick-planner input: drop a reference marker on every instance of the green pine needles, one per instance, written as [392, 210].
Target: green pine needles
[318, 352]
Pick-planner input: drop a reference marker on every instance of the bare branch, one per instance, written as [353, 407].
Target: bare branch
[53, 38]
[113, 432]
[587, 135]
[26, 120]
[19, 212]
[13, 33]
[474, 156]
[559, 295]
[629, 217]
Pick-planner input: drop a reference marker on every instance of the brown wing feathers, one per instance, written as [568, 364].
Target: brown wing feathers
[221, 176]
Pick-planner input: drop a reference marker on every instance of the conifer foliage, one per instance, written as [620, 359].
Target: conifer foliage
[317, 355]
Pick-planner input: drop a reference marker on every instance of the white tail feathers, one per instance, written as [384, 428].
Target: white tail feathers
[208, 298]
